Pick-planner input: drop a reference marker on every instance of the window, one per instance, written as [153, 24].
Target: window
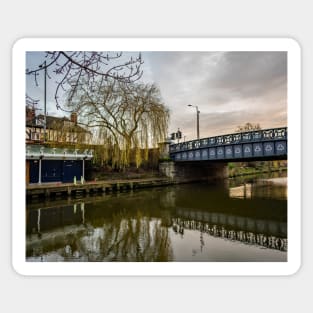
[35, 136]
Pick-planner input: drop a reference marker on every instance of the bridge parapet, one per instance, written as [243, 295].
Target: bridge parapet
[252, 144]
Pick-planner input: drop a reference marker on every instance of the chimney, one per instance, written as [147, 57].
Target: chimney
[30, 115]
[74, 118]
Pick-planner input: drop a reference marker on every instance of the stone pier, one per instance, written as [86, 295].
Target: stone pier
[194, 171]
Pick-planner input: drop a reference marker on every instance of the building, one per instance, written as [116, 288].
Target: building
[45, 165]
[58, 129]
[48, 164]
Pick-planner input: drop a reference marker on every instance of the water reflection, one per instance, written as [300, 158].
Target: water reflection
[264, 239]
[195, 222]
[243, 191]
[123, 237]
[260, 187]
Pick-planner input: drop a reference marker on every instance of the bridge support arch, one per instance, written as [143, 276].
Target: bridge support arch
[194, 171]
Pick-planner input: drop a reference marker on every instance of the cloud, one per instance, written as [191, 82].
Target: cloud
[230, 88]
[250, 74]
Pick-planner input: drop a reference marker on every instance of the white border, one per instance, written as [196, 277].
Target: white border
[154, 268]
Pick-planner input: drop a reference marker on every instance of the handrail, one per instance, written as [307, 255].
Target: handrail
[234, 138]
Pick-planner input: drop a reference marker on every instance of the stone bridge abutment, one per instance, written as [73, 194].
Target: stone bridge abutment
[194, 171]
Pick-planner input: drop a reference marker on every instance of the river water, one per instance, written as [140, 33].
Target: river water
[237, 220]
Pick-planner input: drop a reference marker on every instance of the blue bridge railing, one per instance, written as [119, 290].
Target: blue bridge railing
[257, 143]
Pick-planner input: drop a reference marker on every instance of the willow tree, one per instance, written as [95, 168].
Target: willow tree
[128, 117]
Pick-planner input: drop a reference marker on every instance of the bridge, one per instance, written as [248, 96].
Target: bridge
[267, 144]
[207, 158]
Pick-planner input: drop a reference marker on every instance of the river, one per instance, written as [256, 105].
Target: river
[237, 220]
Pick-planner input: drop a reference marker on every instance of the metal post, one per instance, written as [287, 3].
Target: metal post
[45, 102]
[198, 130]
[39, 179]
[198, 113]
[38, 220]
[44, 64]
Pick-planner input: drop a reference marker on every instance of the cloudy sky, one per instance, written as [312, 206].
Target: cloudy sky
[229, 88]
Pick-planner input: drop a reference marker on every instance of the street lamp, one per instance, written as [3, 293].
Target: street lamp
[44, 65]
[198, 112]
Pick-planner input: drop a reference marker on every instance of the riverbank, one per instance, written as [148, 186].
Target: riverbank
[245, 171]
[120, 182]
[51, 190]
[279, 181]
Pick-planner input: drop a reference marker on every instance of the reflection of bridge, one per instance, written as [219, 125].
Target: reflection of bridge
[245, 236]
[266, 144]
[271, 227]
[53, 228]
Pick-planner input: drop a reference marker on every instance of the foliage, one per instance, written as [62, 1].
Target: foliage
[168, 159]
[101, 157]
[248, 127]
[265, 167]
[231, 166]
[124, 117]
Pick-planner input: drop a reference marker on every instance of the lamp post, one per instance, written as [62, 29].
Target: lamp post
[44, 64]
[198, 113]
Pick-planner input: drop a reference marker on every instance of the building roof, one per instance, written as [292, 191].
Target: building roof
[61, 123]
[34, 152]
[55, 123]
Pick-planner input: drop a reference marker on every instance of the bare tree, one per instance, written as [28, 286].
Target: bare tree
[71, 68]
[248, 127]
[128, 116]
[30, 102]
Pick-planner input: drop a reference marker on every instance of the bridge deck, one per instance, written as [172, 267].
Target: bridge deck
[253, 145]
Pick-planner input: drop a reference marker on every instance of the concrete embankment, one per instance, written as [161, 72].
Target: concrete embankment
[282, 181]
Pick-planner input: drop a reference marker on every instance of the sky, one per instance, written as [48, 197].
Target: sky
[229, 88]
